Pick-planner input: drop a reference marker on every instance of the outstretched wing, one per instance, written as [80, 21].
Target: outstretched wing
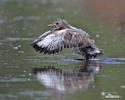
[58, 40]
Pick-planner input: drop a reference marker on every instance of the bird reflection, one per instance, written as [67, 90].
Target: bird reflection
[57, 79]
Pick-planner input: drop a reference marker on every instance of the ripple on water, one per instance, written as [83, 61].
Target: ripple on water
[31, 93]
[18, 38]
[18, 18]
[122, 86]
[108, 60]
[113, 60]
[15, 80]
[8, 95]
[65, 60]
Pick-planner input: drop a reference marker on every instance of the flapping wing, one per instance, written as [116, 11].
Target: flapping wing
[58, 40]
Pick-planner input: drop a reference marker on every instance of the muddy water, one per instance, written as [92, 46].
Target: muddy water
[28, 75]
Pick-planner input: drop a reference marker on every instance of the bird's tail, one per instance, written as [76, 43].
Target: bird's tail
[93, 51]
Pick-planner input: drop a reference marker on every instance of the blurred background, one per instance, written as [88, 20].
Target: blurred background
[22, 21]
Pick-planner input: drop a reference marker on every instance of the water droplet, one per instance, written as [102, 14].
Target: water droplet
[102, 93]
[15, 48]
[30, 74]
[97, 35]
[19, 46]
[24, 71]
[28, 79]
[122, 86]
[21, 52]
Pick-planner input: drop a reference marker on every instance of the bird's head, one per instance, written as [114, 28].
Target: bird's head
[60, 24]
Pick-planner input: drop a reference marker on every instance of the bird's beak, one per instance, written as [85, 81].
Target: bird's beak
[51, 25]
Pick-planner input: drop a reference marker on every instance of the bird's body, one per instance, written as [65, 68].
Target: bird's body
[58, 38]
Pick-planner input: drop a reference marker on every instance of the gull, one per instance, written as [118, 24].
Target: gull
[63, 35]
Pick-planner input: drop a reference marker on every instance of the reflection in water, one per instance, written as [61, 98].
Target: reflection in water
[57, 79]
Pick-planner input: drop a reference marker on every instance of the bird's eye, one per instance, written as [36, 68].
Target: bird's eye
[57, 23]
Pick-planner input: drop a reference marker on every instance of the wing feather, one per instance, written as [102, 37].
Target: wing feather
[58, 40]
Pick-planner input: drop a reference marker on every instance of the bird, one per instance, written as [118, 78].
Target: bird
[62, 81]
[63, 35]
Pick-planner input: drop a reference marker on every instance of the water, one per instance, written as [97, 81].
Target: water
[26, 74]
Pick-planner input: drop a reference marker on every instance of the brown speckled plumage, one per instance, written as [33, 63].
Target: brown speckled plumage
[63, 36]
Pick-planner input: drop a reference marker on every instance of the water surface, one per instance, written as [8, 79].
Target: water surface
[26, 74]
